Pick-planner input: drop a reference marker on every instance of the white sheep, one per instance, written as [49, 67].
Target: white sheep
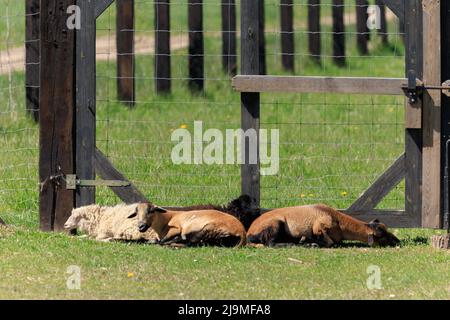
[108, 223]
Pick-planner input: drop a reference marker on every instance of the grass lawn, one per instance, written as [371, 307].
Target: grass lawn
[331, 148]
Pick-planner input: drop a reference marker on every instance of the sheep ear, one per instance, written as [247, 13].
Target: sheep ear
[134, 214]
[160, 210]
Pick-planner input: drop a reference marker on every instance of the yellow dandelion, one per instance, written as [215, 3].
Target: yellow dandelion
[183, 126]
[344, 193]
[311, 195]
[302, 195]
[130, 275]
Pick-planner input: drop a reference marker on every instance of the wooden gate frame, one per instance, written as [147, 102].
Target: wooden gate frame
[68, 109]
[421, 164]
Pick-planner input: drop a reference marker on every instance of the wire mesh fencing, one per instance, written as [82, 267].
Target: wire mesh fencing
[331, 146]
[18, 132]
[164, 68]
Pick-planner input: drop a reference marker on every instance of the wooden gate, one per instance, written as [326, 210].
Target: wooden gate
[421, 164]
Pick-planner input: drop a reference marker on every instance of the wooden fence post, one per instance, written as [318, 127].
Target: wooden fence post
[229, 55]
[338, 33]
[314, 38]
[57, 96]
[287, 34]
[445, 52]
[85, 65]
[362, 31]
[250, 102]
[383, 31]
[196, 46]
[32, 12]
[262, 37]
[162, 43]
[431, 175]
[125, 51]
[413, 112]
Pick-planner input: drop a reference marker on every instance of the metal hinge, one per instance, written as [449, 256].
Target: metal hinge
[412, 91]
[72, 183]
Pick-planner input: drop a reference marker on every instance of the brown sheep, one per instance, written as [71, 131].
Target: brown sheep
[243, 208]
[318, 224]
[192, 228]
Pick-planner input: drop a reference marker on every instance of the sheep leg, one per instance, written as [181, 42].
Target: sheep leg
[320, 231]
[327, 240]
[107, 239]
[103, 237]
[172, 236]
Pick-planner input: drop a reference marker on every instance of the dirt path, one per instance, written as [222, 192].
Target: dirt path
[13, 59]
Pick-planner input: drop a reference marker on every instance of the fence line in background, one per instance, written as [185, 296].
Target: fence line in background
[126, 87]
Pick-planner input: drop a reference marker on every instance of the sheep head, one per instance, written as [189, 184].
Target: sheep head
[80, 217]
[145, 213]
[381, 236]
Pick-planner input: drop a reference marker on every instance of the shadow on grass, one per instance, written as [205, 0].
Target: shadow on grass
[414, 241]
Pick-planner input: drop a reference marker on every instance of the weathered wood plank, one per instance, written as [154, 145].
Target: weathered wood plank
[431, 193]
[107, 171]
[250, 102]
[85, 102]
[413, 122]
[440, 241]
[101, 6]
[32, 8]
[162, 50]
[445, 69]
[381, 187]
[262, 37]
[338, 33]
[126, 90]
[397, 7]
[314, 36]
[196, 46]
[357, 85]
[287, 34]
[56, 119]
[229, 42]
[413, 176]
[413, 56]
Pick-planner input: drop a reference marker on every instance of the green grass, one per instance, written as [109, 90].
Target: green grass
[332, 148]
[37, 264]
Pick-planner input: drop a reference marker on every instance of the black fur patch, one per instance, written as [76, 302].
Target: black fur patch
[276, 233]
[208, 238]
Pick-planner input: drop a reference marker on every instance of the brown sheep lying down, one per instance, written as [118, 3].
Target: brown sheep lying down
[243, 208]
[318, 224]
[190, 228]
